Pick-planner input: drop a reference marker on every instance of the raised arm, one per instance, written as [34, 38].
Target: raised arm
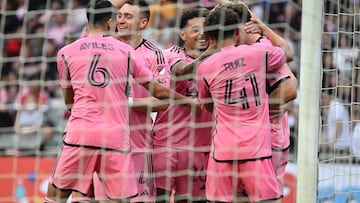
[256, 26]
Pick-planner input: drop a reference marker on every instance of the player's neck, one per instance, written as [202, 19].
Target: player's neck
[193, 53]
[252, 38]
[226, 42]
[96, 31]
[131, 40]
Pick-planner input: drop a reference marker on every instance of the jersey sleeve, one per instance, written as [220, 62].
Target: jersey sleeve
[160, 68]
[275, 78]
[63, 70]
[276, 59]
[140, 72]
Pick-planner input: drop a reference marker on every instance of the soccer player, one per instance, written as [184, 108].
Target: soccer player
[93, 73]
[232, 83]
[132, 19]
[182, 143]
[280, 130]
[281, 89]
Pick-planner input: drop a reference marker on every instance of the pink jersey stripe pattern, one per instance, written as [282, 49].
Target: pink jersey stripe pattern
[140, 122]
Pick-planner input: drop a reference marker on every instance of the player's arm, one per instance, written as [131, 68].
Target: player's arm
[165, 94]
[284, 91]
[65, 80]
[183, 68]
[68, 94]
[256, 26]
[144, 104]
[209, 106]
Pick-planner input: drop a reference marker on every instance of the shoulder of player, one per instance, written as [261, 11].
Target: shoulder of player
[175, 49]
[264, 44]
[149, 46]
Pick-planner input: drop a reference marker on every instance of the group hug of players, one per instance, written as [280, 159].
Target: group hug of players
[221, 132]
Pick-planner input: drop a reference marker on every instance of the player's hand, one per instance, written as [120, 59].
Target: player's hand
[255, 25]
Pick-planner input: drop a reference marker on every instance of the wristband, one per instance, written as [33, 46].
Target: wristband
[130, 101]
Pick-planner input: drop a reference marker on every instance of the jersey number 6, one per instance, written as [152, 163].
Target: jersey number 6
[94, 69]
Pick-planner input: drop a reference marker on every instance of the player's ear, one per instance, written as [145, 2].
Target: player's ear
[143, 23]
[183, 36]
[111, 24]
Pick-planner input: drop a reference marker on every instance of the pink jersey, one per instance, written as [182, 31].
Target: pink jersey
[235, 79]
[176, 126]
[96, 68]
[140, 122]
[280, 131]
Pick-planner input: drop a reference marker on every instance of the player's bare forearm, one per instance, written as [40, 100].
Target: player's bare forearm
[209, 107]
[166, 94]
[68, 94]
[182, 68]
[152, 103]
[179, 68]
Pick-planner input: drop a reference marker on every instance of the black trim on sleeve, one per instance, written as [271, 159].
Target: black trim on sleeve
[206, 82]
[281, 149]
[272, 88]
[258, 40]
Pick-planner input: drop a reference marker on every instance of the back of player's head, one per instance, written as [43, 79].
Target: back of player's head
[99, 12]
[144, 7]
[221, 23]
[241, 9]
[191, 14]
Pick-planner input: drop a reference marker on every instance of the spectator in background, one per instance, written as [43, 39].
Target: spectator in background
[8, 92]
[29, 117]
[56, 20]
[77, 17]
[28, 124]
[344, 55]
[337, 120]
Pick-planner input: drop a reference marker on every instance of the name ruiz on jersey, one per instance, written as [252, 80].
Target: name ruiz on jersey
[238, 63]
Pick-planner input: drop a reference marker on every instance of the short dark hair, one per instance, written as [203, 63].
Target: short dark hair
[100, 11]
[221, 23]
[144, 7]
[191, 14]
[241, 10]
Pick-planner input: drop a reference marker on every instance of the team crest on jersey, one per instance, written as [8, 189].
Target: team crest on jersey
[161, 70]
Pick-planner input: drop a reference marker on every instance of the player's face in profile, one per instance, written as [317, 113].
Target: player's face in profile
[193, 34]
[127, 20]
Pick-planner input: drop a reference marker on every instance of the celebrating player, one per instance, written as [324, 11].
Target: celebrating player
[232, 83]
[182, 143]
[132, 19]
[281, 89]
[93, 73]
